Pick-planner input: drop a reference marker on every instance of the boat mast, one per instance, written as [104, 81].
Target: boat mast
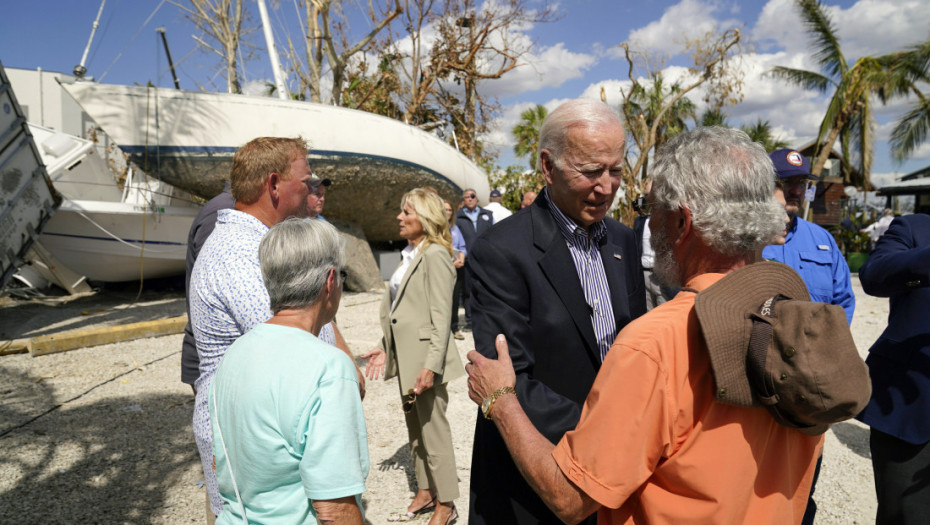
[272, 53]
[164, 40]
[80, 70]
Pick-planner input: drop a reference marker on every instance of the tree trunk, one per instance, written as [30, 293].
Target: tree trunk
[827, 146]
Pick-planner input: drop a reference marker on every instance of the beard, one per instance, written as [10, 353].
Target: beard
[664, 267]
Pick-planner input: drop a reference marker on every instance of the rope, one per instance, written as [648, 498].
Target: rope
[131, 40]
[89, 390]
[115, 237]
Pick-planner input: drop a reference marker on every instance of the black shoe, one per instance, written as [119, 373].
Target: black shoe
[467, 328]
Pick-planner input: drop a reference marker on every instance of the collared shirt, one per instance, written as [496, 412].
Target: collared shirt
[813, 253]
[406, 257]
[458, 242]
[590, 267]
[227, 298]
[649, 256]
[472, 215]
[676, 454]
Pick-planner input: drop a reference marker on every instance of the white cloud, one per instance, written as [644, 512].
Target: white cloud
[688, 19]
[876, 27]
[868, 27]
[549, 68]
[922, 153]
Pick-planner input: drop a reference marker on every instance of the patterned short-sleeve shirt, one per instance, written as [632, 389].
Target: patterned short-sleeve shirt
[227, 299]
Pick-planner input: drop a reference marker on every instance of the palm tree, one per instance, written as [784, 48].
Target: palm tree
[713, 117]
[761, 132]
[908, 68]
[849, 114]
[645, 107]
[527, 134]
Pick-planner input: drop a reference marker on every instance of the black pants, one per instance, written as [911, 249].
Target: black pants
[902, 480]
[457, 296]
[466, 297]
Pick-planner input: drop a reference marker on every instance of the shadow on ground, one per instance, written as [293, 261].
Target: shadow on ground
[109, 305]
[854, 437]
[401, 460]
[107, 462]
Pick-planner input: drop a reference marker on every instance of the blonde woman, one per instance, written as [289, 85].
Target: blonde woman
[418, 349]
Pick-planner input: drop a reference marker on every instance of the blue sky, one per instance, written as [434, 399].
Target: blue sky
[574, 56]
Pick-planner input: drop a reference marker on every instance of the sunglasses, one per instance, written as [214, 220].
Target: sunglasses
[409, 400]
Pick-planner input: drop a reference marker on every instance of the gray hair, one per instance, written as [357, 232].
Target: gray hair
[577, 112]
[726, 180]
[296, 256]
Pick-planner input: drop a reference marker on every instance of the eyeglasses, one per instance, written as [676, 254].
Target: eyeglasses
[409, 400]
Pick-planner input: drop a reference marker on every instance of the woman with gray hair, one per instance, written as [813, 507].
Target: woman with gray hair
[290, 442]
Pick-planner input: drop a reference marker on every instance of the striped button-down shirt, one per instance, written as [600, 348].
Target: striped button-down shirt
[590, 268]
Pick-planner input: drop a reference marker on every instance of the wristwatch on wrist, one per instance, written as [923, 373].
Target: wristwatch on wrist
[488, 402]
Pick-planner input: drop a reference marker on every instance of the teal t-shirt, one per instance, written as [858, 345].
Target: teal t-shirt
[293, 425]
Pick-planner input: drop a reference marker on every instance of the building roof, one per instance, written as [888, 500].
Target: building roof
[907, 187]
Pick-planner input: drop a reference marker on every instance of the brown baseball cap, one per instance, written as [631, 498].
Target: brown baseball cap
[806, 370]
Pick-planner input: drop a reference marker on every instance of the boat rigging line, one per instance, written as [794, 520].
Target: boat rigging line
[131, 40]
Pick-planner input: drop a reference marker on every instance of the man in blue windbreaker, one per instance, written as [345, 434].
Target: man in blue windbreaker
[809, 248]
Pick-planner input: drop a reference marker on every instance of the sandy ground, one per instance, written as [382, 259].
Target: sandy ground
[103, 434]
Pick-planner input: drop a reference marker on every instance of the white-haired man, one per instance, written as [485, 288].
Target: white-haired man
[559, 279]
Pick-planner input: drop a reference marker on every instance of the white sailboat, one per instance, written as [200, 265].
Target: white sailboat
[187, 139]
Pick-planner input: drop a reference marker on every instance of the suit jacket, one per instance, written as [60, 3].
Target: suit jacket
[416, 331]
[471, 232]
[526, 287]
[899, 361]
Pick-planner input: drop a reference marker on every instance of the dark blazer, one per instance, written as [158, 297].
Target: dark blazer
[469, 231]
[526, 287]
[899, 361]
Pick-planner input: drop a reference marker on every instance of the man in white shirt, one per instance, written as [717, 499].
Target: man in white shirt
[496, 208]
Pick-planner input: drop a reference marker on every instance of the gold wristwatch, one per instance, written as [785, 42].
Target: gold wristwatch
[488, 402]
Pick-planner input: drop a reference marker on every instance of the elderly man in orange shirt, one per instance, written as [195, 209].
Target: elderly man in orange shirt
[655, 444]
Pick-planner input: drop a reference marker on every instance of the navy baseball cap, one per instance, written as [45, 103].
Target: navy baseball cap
[790, 163]
[316, 181]
[495, 193]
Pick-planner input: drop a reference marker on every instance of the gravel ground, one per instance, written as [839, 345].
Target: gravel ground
[103, 434]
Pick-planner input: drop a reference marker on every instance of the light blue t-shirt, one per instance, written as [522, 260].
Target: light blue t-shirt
[293, 425]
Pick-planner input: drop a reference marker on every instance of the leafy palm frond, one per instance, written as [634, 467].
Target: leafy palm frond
[827, 50]
[804, 79]
[911, 130]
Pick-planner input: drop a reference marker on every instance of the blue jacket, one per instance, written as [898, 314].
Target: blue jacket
[899, 361]
[813, 253]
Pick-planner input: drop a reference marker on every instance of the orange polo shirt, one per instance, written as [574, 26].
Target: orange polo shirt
[653, 446]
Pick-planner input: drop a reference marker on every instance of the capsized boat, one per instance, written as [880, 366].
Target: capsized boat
[188, 139]
[105, 233]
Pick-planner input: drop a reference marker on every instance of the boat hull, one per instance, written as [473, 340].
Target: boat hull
[187, 139]
[115, 241]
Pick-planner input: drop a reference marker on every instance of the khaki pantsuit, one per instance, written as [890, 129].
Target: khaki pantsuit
[417, 336]
[431, 443]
